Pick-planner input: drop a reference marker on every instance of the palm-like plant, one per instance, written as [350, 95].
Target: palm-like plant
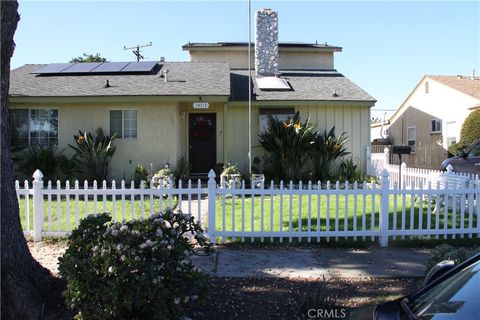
[92, 155]
[328, 148]
[288, 143]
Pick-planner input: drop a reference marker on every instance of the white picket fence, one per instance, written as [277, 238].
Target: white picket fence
[285, 212]
[377, 162]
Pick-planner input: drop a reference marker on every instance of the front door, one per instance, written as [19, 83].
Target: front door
[202, 141]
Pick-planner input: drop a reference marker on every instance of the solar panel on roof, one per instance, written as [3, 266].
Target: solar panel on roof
[53, 68]
[110, 67]
[272, 83]
[82, 67]
[141, 66]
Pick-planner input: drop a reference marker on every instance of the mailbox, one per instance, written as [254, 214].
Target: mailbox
[401, 150]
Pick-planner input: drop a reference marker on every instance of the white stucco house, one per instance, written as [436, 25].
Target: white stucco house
[431, 117]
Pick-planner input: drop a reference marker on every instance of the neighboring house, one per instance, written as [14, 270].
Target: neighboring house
[198, 109]
[379, 130]
[431, 117]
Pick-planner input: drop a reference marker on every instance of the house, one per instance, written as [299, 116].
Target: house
[197, 109]
[431, 117]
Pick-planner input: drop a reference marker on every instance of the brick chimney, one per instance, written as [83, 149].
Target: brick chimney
[266, 42]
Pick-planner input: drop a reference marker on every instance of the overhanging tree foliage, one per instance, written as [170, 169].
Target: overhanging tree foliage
[88, 58]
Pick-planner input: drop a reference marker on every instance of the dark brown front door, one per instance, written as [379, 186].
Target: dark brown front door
[202, 141]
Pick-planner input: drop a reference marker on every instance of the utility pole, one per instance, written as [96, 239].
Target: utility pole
[136, 50]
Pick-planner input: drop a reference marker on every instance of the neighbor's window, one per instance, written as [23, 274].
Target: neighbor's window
[427, 89]
[34, 127]
[411, 136]
[451, 140]
[436, 125]
[282, 114]
[124, 122]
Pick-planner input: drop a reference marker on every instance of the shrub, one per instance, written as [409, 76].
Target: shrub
[328, 148]
[288, 144]
[445, 252]
[53, 164]
[233, 169]
[348, 171]
[470, 128]
[92, 156]
[183, 169]
[133, 270]
[141, 174]
[163, 178]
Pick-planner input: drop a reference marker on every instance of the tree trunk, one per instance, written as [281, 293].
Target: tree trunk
[26, 286]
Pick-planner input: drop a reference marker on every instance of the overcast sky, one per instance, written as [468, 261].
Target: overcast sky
[387, 46]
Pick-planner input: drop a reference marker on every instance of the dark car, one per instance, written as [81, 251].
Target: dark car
[468, 161]
[449, 292]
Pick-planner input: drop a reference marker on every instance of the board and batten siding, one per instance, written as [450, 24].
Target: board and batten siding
[354, 120]
[154, 144]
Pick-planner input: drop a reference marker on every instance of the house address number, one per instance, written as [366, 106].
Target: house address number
[200, 105]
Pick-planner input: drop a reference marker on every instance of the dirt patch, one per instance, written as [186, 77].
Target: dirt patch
[274, 298]
[47, 253]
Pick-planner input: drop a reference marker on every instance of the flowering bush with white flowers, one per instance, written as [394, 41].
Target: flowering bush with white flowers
[138, 269]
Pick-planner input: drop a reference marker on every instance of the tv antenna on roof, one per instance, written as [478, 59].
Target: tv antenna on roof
[136, 50]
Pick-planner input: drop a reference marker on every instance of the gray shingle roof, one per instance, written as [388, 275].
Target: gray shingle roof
[185, 78]
[306, 86]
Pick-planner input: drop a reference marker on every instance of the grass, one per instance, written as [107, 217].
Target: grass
[276, 214]
[55, 217]
[364, 210]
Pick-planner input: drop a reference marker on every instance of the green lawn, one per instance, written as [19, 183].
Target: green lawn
[55, 221]
[325, 212]
[322, 210]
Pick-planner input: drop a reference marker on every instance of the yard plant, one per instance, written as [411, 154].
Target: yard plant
[296, 150]
[139, 269]
[288, 144]
[92, 155]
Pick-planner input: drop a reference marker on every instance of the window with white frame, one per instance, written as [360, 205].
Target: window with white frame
[411, 136]
[436, 125]
[124, 123]
[38, 127]
[282, 114]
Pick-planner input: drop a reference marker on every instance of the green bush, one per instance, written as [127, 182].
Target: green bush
[133, 270]
[141, 174]
[163, 178]
[92, 155]
[183, 168]
[328, 149]
[470, 128]
[445, 252]
[288, 144]
[348, 171]
[53, 165]
[233, 169]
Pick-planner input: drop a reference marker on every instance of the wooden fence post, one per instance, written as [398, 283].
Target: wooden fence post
[37, 205]
[384, 208]
[212, 185]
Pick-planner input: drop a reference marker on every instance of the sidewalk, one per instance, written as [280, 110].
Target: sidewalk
[314, 263]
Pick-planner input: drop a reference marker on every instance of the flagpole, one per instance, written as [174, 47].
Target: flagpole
[249, 90]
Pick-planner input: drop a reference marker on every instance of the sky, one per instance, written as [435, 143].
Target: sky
[387, 46]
